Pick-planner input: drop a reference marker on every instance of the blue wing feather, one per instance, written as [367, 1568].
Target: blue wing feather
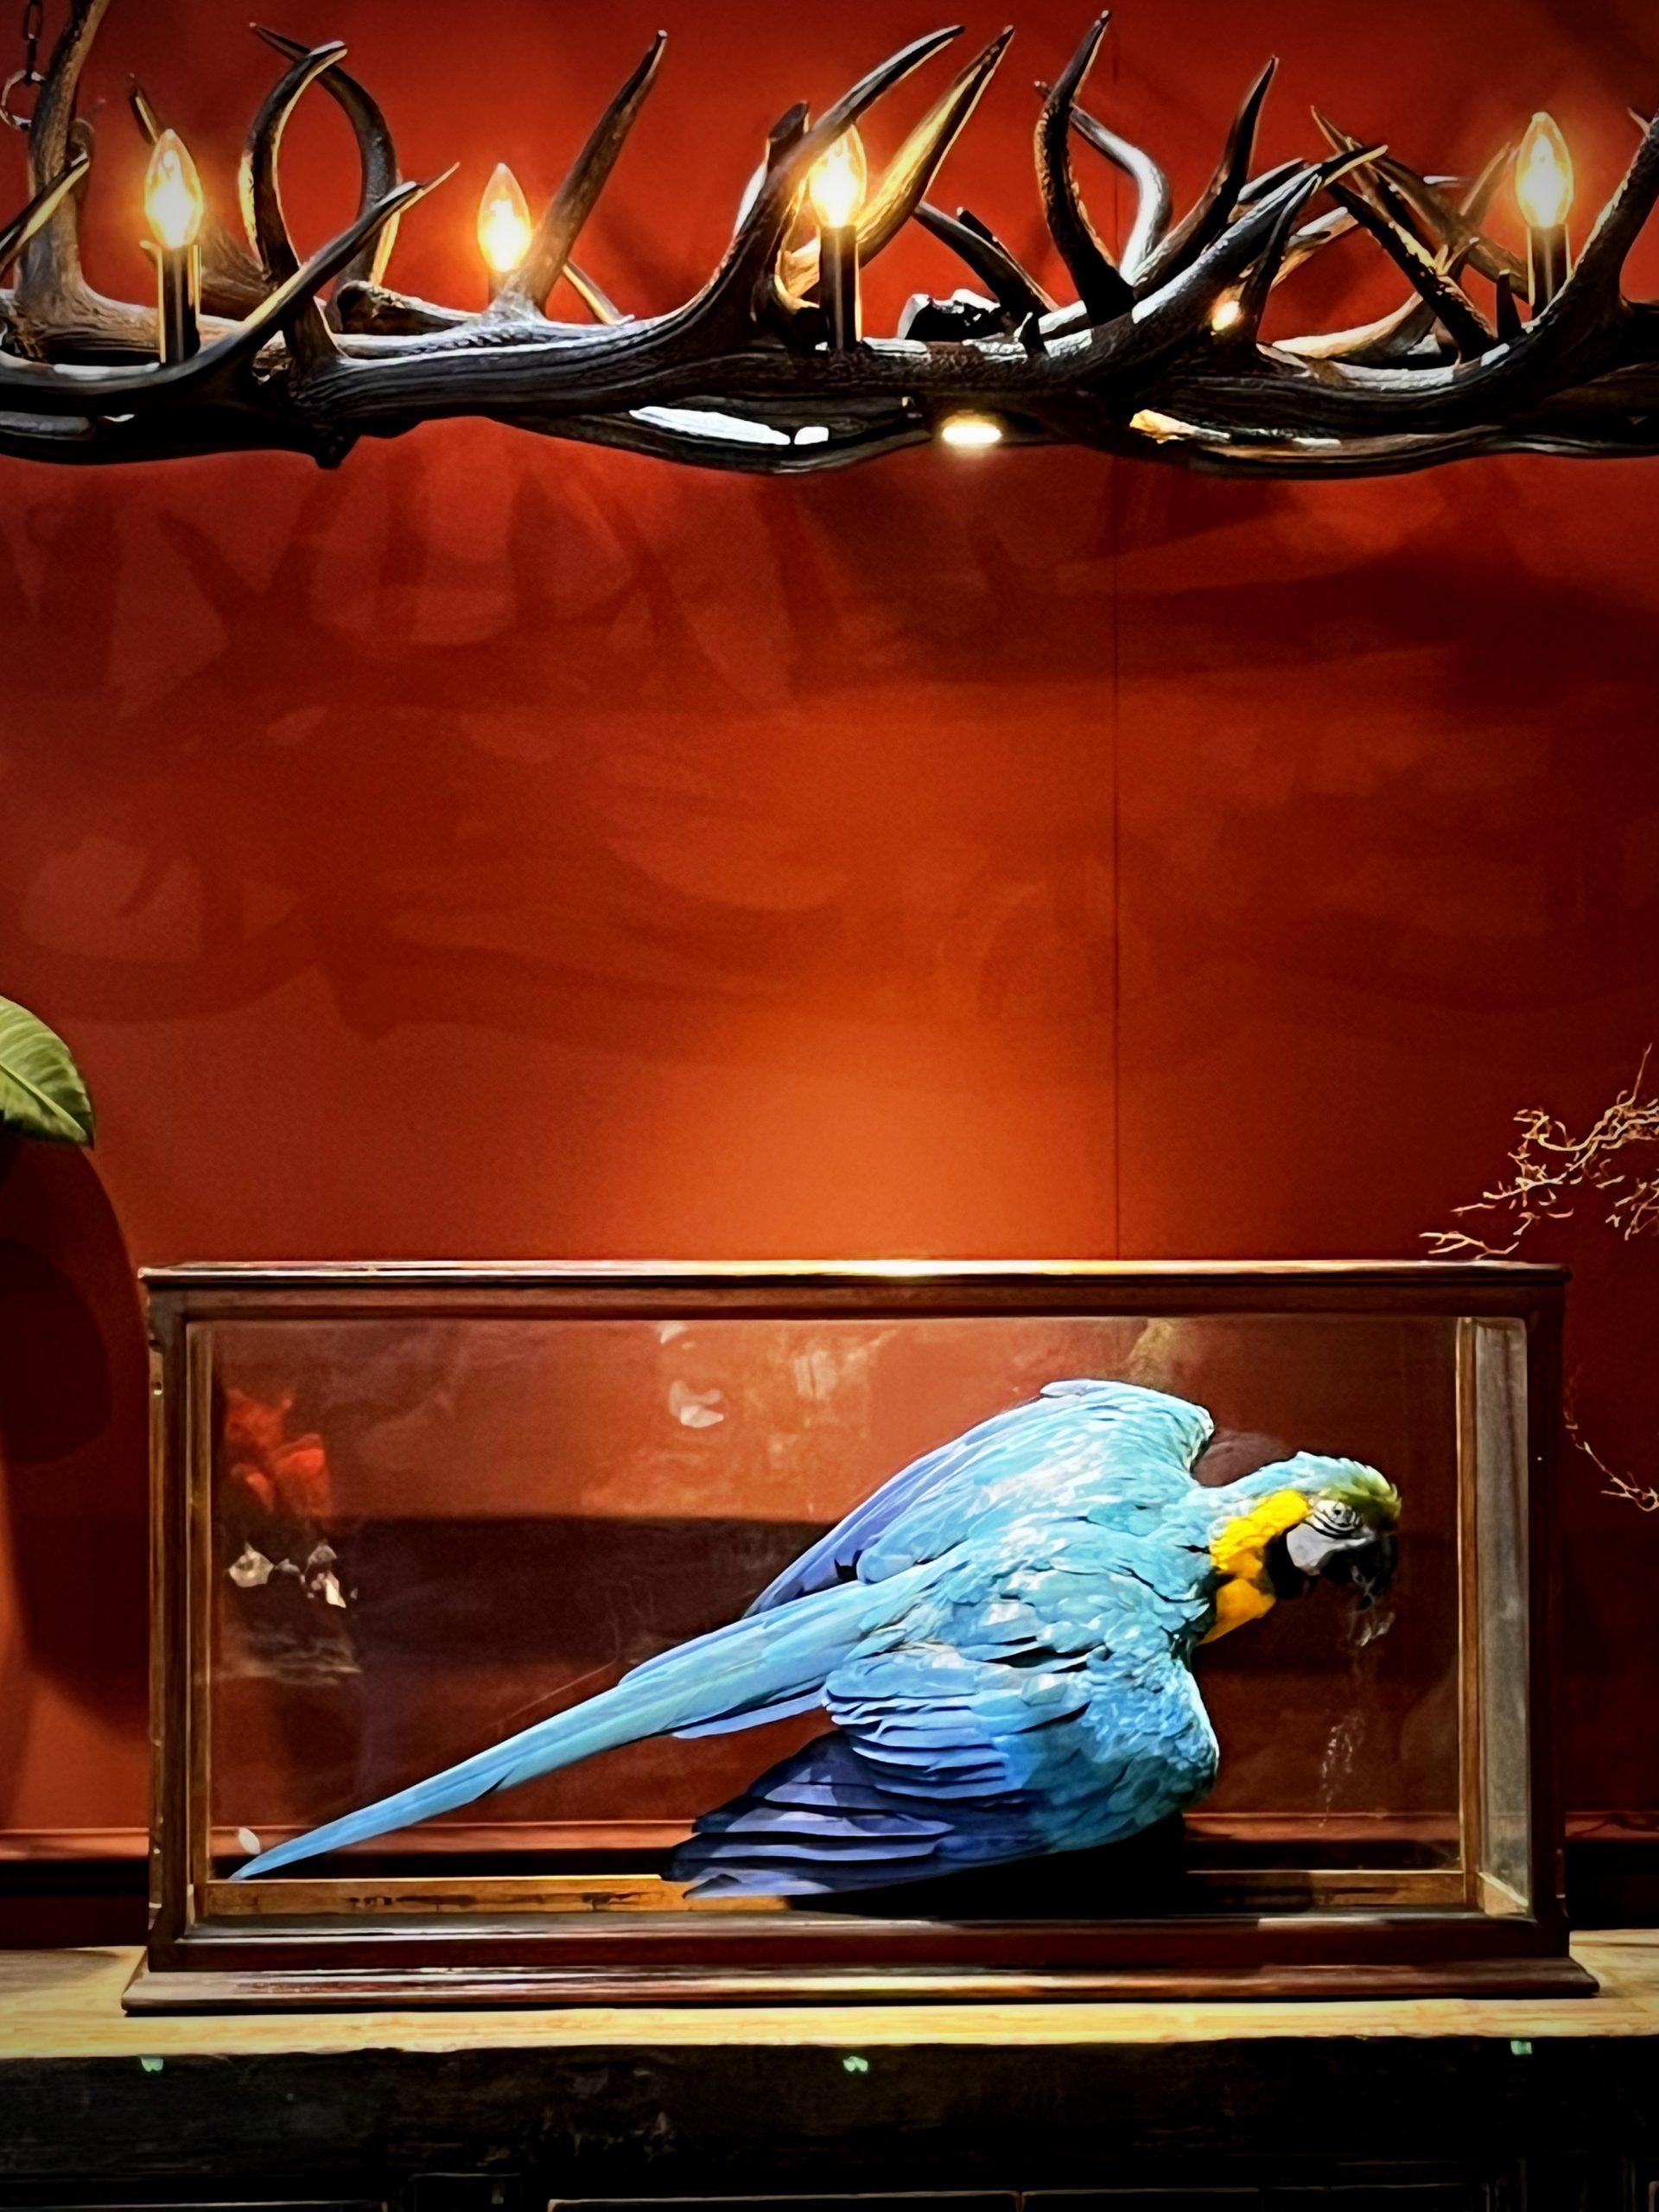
[1085, 1441]
[944, 1760]
[1145, 1439]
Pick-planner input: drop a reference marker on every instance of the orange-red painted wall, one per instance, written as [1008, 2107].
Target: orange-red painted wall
[498, 848]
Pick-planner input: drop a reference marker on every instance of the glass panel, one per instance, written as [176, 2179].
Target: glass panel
[430, 1534]
[1499, 1498]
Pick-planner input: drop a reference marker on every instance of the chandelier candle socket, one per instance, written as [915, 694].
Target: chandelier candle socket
[1543, 186]
[837, 187]
[173, 208]
[505, 229]
[1155, 350]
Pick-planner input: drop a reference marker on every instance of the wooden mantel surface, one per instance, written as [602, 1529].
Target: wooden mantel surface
[67, 2005]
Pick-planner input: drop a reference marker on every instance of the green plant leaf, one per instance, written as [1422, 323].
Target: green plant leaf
[42, 1093]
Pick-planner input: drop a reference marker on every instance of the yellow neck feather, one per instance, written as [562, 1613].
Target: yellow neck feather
[1240, 1556]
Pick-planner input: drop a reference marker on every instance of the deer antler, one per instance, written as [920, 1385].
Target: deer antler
[1159, 353]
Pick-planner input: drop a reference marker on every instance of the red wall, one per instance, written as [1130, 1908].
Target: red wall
[499, 849]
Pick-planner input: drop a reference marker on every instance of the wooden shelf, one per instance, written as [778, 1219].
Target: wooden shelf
[67, 2005]
[1217, 2107]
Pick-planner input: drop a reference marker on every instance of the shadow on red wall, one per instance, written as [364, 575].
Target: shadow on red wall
[73, 1398]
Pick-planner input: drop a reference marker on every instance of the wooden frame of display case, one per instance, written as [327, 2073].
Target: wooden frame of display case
[1488, 1925]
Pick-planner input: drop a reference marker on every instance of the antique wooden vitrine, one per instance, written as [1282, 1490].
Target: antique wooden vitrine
[402, 1510]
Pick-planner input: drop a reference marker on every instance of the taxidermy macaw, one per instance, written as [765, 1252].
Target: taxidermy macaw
[1002, 1636]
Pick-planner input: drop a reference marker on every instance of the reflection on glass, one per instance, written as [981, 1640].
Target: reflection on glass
[430, 1535]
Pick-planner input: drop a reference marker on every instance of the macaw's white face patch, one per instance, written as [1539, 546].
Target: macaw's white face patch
[1240, 1554]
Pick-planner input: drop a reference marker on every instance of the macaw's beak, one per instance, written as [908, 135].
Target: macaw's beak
[1368, 1568]
[1364, 1562]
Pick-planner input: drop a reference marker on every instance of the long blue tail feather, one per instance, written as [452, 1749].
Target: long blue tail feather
[736, 1676]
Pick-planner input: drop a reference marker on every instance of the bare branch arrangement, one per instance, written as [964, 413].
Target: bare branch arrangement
[1626, 1488]
[1551, 1168]
[1551, 1164]
[1159, 353]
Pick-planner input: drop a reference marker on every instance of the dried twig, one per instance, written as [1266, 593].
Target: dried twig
[1643, 1496]
[1550, 1163]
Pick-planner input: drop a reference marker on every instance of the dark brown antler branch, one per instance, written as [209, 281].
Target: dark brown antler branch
[1216, 204]
[377, 153]
[1017, 293]
[41, 209]
[1413, 325]
[53, 313]
[1160, 354]
[1243, 328]
[261, 195]
[258, 187]
[1457, 229]
[575, 199]
[52, 264]
[1450, 305]
[1153, 203]
[1103, 287]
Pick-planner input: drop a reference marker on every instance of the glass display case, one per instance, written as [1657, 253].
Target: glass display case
[412, 1521]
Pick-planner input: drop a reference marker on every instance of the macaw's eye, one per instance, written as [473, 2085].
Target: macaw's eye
[1331, 1518]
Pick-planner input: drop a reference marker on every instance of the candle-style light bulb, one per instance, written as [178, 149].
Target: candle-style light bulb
[1543, 176]
[838, 182]
[504, 225]
[173, 196]
[1543, 186]
[174, 205]
[836, 186]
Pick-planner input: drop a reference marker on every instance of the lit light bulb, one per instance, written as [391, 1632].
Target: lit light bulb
[1543, 176]
[1225, 316]
[504, 226]
[838, 182]
[173, 194]
[970, 433]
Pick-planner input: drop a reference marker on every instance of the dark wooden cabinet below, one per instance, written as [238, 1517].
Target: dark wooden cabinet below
[1428, 2106]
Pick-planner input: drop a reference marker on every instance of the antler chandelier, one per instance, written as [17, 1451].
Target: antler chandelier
[765, 368]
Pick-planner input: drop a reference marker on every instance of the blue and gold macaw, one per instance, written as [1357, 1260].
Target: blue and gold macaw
[1002, 1638]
